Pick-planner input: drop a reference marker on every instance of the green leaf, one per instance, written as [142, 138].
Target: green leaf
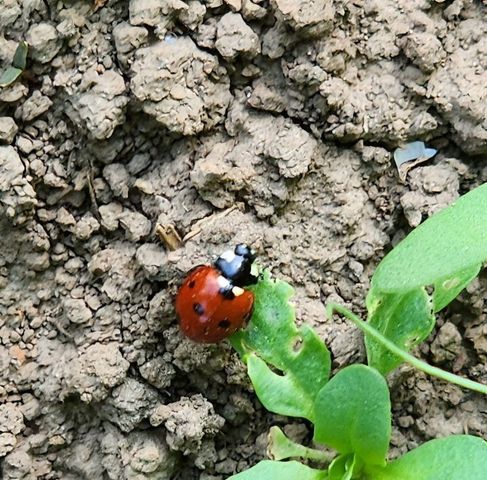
[20, 55]
[280, 447]
[459, 457]
[406, 319]
[448, 289]
[353, 414]
[445, 252]
[342, 468]
[300, 357]
[278, 393]
[9, 76]
[451, 241]
[270, 470]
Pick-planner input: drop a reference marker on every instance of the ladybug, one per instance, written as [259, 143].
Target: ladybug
[212, 303]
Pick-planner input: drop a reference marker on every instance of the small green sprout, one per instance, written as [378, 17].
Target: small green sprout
[19, 63]
[445, 253]
[351, 413]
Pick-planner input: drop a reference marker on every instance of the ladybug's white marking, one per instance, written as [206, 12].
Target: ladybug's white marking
[237, 291]
[222, 282]
[228, 256]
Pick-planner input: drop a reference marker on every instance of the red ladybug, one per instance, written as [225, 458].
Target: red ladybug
[211, 303]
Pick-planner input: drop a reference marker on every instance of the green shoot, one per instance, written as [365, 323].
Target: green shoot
[446, 253]
[18, 65]
[289, 368]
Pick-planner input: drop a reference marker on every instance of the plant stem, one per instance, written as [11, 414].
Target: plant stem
[405, 356]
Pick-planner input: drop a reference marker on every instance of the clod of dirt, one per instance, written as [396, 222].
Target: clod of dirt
[194, 15]
[110, 215]
[234, 37]
[181, 86]
[33, 107]
[158, 372]
[77, 311]
[135, 224]
[235, 168]
[148, 454]
[129, 404]
[43, 42]
[459, 87]
[82, 459]
[190, 423]
[86, 226]
[115, 265]
[118, 178]
[11, 419]
[8, 129]
[432, 188]
[477, 334]
[153, 259]
[17, 197]
[107, 367]
[447, 345]
[127, 39]
[160, 14]
[310, 17]
[362, 114]
[98, 104]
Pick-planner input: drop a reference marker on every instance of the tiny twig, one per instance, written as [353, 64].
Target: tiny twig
[91, 189]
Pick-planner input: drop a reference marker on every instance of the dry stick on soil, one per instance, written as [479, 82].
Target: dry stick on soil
[205, 222]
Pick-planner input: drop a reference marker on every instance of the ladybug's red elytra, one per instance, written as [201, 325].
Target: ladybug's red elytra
[212, 302]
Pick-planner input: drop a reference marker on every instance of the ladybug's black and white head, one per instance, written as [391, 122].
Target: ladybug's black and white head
[235, 265]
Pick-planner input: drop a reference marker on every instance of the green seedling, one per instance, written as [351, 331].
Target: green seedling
[351, 413]
[445, 253]
[19, 63]
[290, 367]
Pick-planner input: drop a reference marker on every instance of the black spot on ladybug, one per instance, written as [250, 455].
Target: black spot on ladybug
[191, 284]
[198, 308]
[225, 323]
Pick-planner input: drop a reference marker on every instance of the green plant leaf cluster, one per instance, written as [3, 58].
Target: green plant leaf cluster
[445, 253]
[351, 412]
[19, 63]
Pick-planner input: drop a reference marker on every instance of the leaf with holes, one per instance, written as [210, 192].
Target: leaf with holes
[445, 245]
[288, 366]
[446, 253]
[406, 319]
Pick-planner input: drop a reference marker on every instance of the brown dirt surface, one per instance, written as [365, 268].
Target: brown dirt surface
[270, 122]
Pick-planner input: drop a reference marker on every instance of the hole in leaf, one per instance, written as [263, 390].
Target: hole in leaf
[276, 370]
[297, 344]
